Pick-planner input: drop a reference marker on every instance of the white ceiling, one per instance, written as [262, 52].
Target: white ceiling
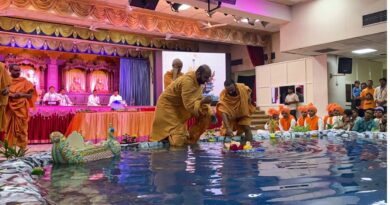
[345, 47]
[217, 17]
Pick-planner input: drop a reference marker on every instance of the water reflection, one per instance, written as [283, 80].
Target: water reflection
[312, 172]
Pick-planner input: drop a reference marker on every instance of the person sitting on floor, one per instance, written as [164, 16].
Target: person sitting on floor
[328, 119]
[114, 97]
[301, 120]
[93, 99]
[365, 124]
[235, 107]
[273, 123]
[287, 121]
[378, 114]
[337, 111]
[383, 124]
[346, 122]
[313, 121]
[355, 116]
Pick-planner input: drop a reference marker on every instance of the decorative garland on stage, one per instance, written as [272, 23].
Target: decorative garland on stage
[136, 20]
[64, 45]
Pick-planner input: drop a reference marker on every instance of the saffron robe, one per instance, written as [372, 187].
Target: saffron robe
[5, 81]
[17, 112]
[237, 108]
[168, 78]
[178, 103]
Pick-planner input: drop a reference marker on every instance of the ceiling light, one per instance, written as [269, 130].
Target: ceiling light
[257, 20]
[264, 23]
[244, 20]
[184, 7]
[364, 51]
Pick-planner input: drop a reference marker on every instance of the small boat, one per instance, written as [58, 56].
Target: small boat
[73, 150]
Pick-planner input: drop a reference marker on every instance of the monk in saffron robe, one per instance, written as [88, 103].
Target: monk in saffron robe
[173, 74]
[301, 120]
[178, 103]
[273, 123]
[313, 121]
[5, 81]
[22, 96]
[287, 121]
[235, 107]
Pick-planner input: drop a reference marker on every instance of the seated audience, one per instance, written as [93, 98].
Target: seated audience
[378, 114]
[365, 124]
[337, 114]
[115, 97]
[273, 119]
[346, 122]
[355, 115]
[51, 96]
[301, 120]
[287, 121]
[313, 121]
[93, 99]
[383, 124]
[380, 94]
[328, 119]
[64, 99]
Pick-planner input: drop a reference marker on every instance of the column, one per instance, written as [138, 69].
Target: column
[52, 74]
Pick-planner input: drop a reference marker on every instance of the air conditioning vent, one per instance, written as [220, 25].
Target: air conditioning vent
[326, 50]
[374, 18]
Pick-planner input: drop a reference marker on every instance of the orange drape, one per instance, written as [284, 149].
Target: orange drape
[312, 122]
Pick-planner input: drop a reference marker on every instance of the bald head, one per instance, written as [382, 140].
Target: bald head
[177, 64]
[203, 74]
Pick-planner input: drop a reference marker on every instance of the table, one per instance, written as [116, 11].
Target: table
[94, 125]
[47, 119]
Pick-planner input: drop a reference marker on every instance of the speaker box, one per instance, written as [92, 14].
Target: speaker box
[345, 65]
[145, 4]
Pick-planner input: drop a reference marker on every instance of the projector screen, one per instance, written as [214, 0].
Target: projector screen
[191, 61]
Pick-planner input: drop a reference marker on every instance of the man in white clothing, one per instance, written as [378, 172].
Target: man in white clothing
[115, 97]
[380, 94]
[64, 99]
[93, 99]
[292, 101]
[51, 96]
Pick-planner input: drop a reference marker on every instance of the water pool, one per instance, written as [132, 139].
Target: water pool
[344, 172]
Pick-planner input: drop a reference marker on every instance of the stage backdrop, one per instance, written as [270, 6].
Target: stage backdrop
[191, 61]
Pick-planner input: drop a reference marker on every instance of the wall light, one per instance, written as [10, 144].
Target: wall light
[175, 7]
[364, 51]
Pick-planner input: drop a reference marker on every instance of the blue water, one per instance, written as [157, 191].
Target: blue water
[344, 172]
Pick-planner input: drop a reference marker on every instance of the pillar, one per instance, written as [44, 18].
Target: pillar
[52, 74]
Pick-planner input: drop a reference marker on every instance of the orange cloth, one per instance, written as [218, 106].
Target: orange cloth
[17, 112]
[312, 122]
[301, 121]
[237, 108]
[283, 108]
[271, 112]
[286, 123]
[179, 102]
[310, 106]
[367, 104]
[5, 81]
[168, 78]
[93, 126]
[302, 108]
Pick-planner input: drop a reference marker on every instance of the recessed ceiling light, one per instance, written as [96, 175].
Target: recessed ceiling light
[184, 7]
[244, 20]
[257, 20]
[364, 51]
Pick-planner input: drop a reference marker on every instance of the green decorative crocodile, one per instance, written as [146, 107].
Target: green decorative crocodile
[74, 150]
